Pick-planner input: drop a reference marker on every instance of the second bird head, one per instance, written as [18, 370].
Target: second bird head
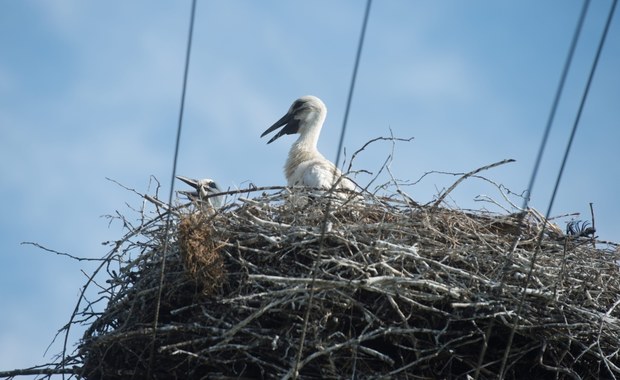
[203, 193]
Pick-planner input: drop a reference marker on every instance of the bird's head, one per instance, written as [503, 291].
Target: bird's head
[208, 186]
[203, 188]
[305, 112]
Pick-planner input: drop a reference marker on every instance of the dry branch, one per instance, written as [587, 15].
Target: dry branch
[399, 290]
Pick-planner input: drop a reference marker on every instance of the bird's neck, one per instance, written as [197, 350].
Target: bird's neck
[309, 136]
[304, 149]
[301, 150]
[307, 141]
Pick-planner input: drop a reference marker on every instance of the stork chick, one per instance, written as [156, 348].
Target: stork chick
[203, 188]
[305, 165]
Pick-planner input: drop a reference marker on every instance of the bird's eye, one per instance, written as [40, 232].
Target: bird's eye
[297, 105]
[212, 185]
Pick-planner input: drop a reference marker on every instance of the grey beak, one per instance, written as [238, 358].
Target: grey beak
[192, 182]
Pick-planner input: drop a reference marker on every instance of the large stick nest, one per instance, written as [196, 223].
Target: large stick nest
[379, 287]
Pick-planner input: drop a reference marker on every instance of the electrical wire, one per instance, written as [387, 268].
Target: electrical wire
[295, 370]
[558, 94]
[584, 97]
[170, 195]
[352, 85]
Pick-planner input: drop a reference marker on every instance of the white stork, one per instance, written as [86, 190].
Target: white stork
[203, 188]
[305, 165]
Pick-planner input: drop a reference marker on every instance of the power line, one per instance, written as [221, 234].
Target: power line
[541, 150]
[352, 85]
[557, 182]
[556, 101]
[295, 368]
[174, 172]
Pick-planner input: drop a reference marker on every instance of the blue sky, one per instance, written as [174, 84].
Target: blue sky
[90, 90]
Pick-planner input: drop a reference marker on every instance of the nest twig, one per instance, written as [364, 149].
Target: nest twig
[400, 290]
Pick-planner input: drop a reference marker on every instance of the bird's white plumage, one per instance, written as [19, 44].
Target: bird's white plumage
[305, 165]
[318, 173]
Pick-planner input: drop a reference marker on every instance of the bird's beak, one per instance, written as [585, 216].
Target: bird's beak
[192, 182]
[192, 195]
[291, 126]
